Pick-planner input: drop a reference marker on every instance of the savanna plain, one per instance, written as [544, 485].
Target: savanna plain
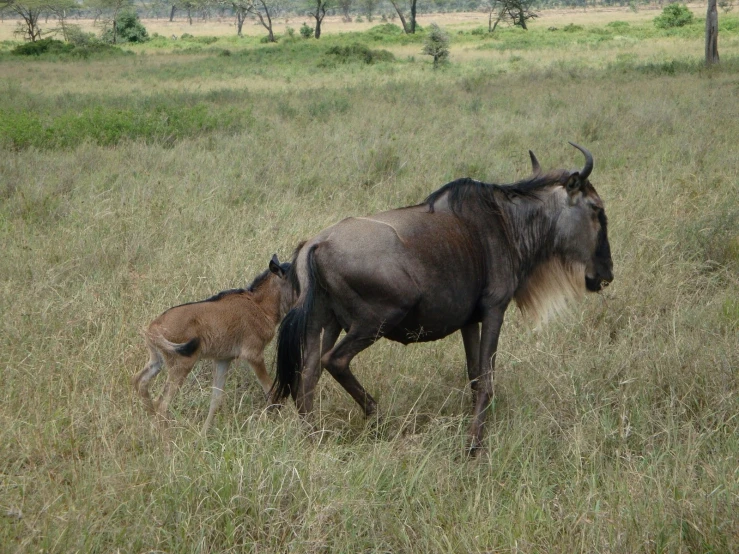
[133, 182]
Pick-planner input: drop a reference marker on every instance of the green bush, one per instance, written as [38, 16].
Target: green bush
[618, 25]
[306, 31]
[389, 29]
[129, 29]
[75, 35]
[53, 47]
[572, 28]
[674, 15]
[43, 46]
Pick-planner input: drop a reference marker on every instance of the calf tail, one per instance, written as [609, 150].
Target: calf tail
[182, 348]
[292, 335]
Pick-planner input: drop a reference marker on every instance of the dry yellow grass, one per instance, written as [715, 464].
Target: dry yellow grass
[614, 428]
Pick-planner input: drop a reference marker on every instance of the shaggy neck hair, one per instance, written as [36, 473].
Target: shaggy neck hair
[527, 212]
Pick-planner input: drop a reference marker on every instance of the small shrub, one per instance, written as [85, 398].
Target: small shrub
[437, 45]
[186, 36]
[618, 25]
[306, 31]
[354, 53]
[674, 15]
[202, 40]
[290, 32]
[572, 28]
[386, 29]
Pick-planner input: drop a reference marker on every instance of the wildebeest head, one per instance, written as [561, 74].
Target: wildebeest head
[581, 229]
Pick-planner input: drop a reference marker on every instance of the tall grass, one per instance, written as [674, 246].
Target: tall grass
[614, 429]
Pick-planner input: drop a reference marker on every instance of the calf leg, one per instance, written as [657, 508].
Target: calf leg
[142, 378]
[260, 370]
[219, 383]
[177, 369]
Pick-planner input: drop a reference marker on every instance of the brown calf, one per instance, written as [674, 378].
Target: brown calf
[236, 323]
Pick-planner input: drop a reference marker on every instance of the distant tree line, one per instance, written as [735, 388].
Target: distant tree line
[29, 13]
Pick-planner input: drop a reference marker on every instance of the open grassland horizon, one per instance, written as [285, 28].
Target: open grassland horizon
[454, 21]
[131, 184]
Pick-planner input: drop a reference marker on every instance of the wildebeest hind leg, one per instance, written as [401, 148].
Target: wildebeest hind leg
[471, 340]
[337, 363]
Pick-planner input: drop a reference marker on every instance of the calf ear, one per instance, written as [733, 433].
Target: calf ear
[274, 266]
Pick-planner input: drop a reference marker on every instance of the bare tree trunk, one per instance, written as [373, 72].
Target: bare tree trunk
[400, 15]
[712, 33]
[266, 24]
[171, 13]
[240, 17]
[318, 15]
[413, 16]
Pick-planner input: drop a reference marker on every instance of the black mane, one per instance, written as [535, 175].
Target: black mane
[258, 280]
[489, 195]
[221, 294]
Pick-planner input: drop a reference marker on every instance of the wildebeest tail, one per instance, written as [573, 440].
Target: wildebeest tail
[291, 336]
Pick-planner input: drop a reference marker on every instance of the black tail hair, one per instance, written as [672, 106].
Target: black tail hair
[291, 337]
[188, 348]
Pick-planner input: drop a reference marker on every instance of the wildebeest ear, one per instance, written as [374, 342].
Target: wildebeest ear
[274, 266]
[573, 184]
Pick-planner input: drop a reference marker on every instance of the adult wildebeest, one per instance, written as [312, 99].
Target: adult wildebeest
[237, 323]
[452, 263]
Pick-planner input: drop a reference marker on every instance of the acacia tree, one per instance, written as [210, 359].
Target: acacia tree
[409, 27]
[29, 12]
[240, 9]
[266, 11]
[712, 33]
[517, 12]
[60, 9]
[113, 9]
[346, 7]
[317, 10]
[369, 7]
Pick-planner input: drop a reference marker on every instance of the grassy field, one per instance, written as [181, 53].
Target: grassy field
[130, 183]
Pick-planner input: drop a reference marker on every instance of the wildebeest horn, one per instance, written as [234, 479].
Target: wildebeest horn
[585, 171]
[535, 167]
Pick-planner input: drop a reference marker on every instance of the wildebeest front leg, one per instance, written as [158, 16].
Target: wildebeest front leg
[471, 340]
[488, 347]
